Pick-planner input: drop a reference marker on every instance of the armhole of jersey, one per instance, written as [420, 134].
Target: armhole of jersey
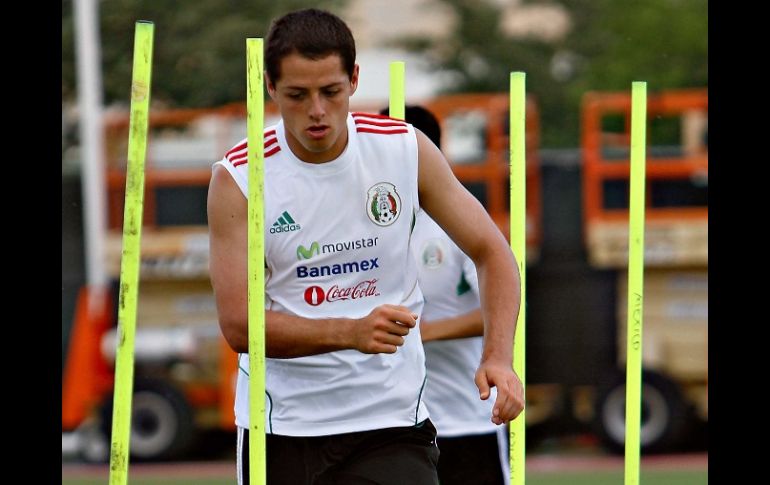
[411, 146]
[242, 184]
[470, 275]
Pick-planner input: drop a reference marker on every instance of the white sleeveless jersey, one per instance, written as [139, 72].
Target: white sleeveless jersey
[450, 285]
[337, 245]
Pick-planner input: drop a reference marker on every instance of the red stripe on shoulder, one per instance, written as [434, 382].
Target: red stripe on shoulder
[245, 143]
[236, 148]
[271, 141]
[238, 155]
[244, 159]
[363, 129]
[360, 121]
[359, 114]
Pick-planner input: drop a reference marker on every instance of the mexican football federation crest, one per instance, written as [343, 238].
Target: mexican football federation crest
[433, 253]
[383, 204]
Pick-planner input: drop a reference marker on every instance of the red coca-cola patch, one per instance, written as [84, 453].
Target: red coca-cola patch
[315, 295]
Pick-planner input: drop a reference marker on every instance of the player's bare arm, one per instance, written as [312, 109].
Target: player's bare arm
[382, 331]
[464, 219]
[467, 325]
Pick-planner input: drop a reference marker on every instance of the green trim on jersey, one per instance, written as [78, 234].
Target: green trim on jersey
[269, 397]
[270, 414]
[419, 396]
[463, 286]
[241, 368]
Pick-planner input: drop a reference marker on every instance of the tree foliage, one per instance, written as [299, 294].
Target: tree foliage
[199, 56]
[610, 45]
[663, 42]
[200, 51]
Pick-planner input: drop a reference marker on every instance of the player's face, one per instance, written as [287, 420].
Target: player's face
[314, 99]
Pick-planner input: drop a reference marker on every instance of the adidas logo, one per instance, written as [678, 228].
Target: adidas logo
[285, 223]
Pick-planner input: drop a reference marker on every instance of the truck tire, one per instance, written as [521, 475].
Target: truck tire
[665, 416]
[162, 425]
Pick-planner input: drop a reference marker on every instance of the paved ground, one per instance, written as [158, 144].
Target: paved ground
[535, 463]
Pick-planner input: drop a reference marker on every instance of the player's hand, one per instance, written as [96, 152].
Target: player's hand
[510, 391]
[384, 330]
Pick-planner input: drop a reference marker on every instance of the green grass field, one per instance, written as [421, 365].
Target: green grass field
[699, 477]
[616, 478]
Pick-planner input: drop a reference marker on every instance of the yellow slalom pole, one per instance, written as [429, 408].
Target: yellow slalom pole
[397, 106]
[129, 262]
[635, 281]
[255, 104]
[518, 234]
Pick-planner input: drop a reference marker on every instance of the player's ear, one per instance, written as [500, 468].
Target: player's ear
[354, 80]
[270, 86]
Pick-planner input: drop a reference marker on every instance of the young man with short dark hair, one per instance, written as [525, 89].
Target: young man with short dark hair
[345, 364]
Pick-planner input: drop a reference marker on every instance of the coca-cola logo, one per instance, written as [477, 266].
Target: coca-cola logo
[315, 295]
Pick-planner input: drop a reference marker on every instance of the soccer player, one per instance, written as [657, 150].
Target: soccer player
[345, 367]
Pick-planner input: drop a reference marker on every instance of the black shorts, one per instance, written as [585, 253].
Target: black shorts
[473, 460]
[391, 456]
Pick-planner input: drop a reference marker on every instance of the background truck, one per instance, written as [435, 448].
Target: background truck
[675, 312]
